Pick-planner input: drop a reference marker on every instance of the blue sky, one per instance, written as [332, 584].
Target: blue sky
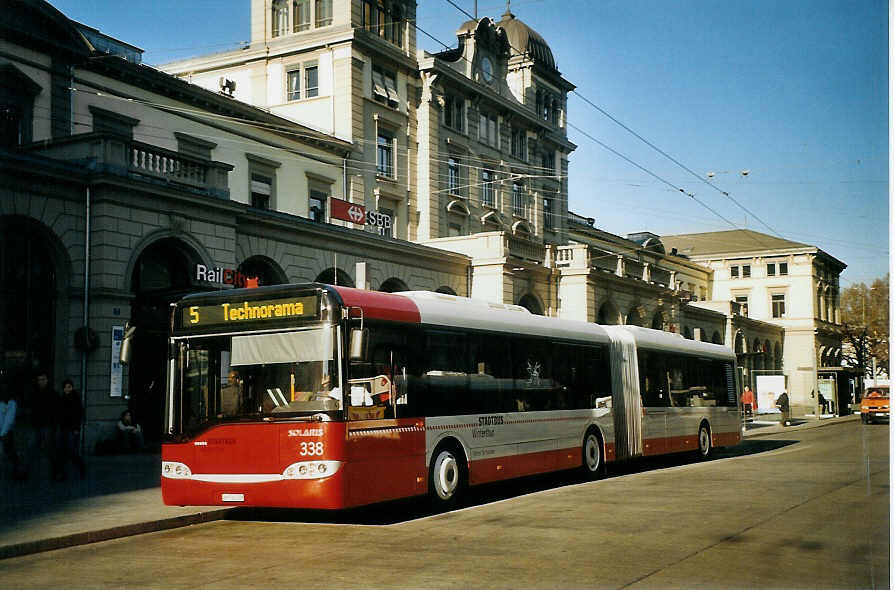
[794, 92]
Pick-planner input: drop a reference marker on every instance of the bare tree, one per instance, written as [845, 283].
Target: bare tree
[865, 315]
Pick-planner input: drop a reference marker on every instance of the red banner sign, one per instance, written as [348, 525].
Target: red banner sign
[346, 211]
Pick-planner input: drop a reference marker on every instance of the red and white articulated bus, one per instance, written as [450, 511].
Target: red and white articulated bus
[324, 397]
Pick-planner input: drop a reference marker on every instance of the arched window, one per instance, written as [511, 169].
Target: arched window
[531, 303]
[393, 285]
[264, 270]
[716, 338]
[279, 17]
[608, 314]
[758, 356]
[331, 276]
[634, 318]
[658, 322]
[27, 301]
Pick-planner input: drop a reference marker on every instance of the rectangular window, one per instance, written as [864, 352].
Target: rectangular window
[378, 88]
[771, 269]
[380, 19]
[487, 129]
[518, 200]
[368, 15]
[261, 191]
[324, 12]
[453, 175]
[783, 269]
[300, 15]
[397, 22]
[548, 221]
[734, 272]
[294, 84]
[311, 85]
[746, 271]
[742, 300]
[454, 113]
[778, 303]
[280, 17]
[391, 88]
[519, 146]
[316, 205]
[487, 188]
[384, 86]
[385, 154]
[548, 162]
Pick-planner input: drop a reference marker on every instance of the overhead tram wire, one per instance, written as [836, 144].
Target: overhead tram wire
[652, 174]
[675, 161]
[641, 138]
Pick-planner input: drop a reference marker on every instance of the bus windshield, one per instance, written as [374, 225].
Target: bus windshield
[253, 377]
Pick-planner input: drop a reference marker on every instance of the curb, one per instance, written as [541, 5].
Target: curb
[809, 425]
[118, 532]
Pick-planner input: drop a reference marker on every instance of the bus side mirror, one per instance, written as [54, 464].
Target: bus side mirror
[359, 340]
[124, 355]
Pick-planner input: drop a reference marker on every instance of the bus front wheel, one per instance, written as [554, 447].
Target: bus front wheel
[592, 455]
[446, 476]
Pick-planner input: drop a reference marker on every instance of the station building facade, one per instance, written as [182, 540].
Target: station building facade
[788, 284]
[125, 187]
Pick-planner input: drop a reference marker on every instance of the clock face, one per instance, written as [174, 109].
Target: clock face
[487, 69]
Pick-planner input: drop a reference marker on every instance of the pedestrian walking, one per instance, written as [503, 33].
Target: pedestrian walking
[68, 441]
[783, 405]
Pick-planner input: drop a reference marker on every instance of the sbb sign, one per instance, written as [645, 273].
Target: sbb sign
[376, 219]
[354, 213]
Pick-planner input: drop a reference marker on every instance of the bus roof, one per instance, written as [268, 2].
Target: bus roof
[648, 338]
[461, 312]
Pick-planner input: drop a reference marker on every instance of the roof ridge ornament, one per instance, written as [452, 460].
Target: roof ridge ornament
[508, 10]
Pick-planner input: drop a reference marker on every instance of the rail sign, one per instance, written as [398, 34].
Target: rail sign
[358, 214]
[346, 211]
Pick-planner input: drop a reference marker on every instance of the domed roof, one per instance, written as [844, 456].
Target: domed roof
[523, 38]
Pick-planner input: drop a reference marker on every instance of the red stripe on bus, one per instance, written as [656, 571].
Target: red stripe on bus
[488, 470]
[381, 306]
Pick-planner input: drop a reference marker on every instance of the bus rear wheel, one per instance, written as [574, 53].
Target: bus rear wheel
[592, 450]
[447, 477]
[704, 442]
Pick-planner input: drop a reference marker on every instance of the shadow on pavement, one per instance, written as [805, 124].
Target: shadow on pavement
[41, 496]
[400, 511]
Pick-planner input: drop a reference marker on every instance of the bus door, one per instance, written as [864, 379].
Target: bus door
[386, 435]
[655, 392]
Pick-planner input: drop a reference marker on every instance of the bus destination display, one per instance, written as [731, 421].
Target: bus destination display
[234, 313]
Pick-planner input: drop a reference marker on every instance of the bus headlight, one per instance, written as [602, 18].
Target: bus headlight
[175, 470]
[311, 469]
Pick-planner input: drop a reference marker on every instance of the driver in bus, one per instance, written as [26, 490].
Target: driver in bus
[230, 394]
[334, 392]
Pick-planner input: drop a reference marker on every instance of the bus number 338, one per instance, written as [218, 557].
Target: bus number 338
[311, 449]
